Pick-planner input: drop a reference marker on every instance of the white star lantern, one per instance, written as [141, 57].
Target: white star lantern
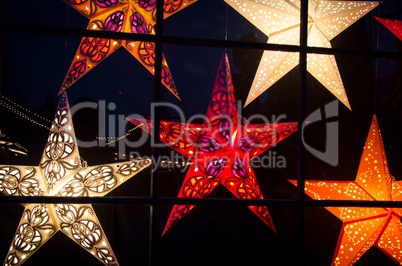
[280, 21]
[61, 172]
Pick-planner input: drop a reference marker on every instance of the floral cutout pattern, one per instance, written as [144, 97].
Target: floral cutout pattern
[219, 150]
[61, 173]
[128, 16]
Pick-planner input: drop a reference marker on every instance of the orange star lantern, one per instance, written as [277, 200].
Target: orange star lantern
[395, 26]
[220, 149]
[280, 21]
[129, 16]
[61, 172]
[364, 227]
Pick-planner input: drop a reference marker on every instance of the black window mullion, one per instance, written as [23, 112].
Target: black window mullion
[157, 97]
[302, 115]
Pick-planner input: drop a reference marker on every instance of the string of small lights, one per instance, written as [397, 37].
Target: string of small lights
[110, 140]
[19, 110]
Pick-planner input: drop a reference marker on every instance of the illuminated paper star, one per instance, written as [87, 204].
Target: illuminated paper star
[61, 172]
[394, 25]
[129, 16]
[364, 227]
[220, 149]
[280, 21]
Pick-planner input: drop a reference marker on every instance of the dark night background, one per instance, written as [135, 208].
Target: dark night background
[34, 66]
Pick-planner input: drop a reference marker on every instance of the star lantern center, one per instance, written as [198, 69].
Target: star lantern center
[221, 149]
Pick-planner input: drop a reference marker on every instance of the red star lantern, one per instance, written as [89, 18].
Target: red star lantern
[220, 149]
[129, 16]
[395, 26]
[364, 227]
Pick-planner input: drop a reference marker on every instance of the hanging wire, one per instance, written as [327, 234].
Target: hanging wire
[226, 23]
[376, 66]
[66, 41]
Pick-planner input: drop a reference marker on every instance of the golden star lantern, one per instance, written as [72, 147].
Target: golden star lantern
[393, 25]
[129, 16]
[220, 149]
[280, 21]
[364, 227]
[61, 172]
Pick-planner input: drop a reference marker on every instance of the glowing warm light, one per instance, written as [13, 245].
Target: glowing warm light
[394, 25]
[62, 173]
[364, 227]
[280, 21]
[129, 16]
[12, 147]
[218, 154]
